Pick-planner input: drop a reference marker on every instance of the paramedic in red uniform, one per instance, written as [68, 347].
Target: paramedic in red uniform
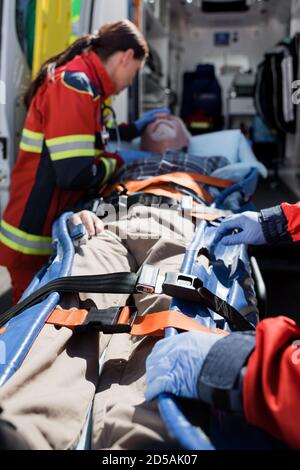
[62, 156]
[254, 374]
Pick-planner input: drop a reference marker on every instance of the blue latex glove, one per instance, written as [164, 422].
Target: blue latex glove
[131, 155]
[247, 227]
[148, 117]
[175, 363]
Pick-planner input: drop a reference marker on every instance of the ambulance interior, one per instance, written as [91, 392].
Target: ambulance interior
[203, 65]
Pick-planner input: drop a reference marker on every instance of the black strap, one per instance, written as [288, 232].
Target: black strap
[118, 283]
[125, 283]
[234, 318]
[191, 288]
[106, 320]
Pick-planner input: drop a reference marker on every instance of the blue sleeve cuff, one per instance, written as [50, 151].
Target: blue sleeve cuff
[221, 379]
[274, 225]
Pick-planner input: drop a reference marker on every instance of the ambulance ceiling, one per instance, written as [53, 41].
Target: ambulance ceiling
[259, 11]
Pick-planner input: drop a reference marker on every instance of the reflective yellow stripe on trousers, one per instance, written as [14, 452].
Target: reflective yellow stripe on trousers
[24, 242]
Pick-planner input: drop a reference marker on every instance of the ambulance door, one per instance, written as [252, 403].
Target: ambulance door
[14, 78]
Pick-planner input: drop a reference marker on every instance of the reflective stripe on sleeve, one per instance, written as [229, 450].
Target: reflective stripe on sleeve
[62, 148]
[110, 165]
[32, 141]
[24, 242]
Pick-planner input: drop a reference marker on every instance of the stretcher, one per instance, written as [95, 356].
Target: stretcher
[218, 294]
[226, 284]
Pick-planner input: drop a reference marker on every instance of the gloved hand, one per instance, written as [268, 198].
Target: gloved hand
[175, 363]
[131, 155]
[247, 227]
[148, 117]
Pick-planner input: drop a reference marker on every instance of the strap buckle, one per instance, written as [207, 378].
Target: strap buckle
[182, 286]
[191, 288]
[150, 280]
[107, 321]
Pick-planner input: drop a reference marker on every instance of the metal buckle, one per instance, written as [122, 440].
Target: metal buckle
[150, 281]
[179, 285]
[182, 286]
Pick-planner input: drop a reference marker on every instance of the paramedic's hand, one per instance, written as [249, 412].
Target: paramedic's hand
[131, 155]
[150, 117]
[175, 363]
[93, 225]
[241, 228]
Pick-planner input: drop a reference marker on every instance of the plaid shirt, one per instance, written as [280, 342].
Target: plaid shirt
[170, 162]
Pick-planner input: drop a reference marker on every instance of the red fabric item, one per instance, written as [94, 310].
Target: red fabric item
[20, 270]
[272, 382]
[292, 213]
[22, 275]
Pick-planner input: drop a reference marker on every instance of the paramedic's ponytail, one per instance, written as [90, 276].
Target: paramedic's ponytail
[111, 38]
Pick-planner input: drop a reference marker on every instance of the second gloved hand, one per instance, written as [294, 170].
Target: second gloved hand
[241, 228]
[175, 363]
[149, 117]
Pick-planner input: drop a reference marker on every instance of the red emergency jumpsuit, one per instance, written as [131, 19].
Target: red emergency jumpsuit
[61, 158]
[271, 385]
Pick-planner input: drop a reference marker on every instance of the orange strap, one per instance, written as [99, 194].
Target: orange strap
[68, 318]
[153, 324]
[186, 180]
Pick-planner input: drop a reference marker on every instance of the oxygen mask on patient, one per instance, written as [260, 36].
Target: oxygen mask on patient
[166, 133]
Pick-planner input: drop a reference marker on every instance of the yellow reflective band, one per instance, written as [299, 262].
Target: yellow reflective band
[200, 125]
[107, 170]
[114, 164]
[32, 141]
[30, 148]
[26, 236]
[110, 166]
[71, 138]
[23, 249]
[24, 242]
[33, 135]
[73, 154]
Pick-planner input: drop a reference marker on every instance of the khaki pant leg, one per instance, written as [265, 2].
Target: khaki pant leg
[122, 419]
[48, 398]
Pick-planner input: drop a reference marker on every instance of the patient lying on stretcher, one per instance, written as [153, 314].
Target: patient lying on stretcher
[49, 397]
[168, 163]
[163, 167]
